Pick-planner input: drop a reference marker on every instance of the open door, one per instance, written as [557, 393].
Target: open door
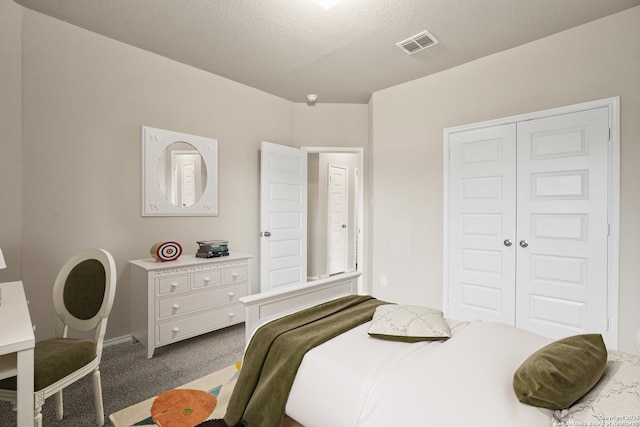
[283, 216]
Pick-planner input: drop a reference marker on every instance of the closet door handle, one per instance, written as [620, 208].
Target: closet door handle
[524, 243]
[507, 242]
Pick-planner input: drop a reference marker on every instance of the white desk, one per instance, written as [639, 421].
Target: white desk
[16, 346]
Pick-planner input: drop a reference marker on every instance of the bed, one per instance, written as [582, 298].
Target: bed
[467, 379]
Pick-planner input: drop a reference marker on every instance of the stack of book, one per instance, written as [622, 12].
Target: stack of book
[212, 248]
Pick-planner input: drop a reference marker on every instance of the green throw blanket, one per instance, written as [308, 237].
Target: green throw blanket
[276, 351]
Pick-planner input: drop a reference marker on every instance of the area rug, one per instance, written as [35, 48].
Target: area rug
[190, 405]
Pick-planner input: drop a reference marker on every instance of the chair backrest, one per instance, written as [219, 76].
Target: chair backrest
[84, 291]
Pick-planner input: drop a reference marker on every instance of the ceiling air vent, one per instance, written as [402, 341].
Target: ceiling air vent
[417, 43]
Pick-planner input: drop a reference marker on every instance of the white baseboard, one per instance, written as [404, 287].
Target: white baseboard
[118, 340]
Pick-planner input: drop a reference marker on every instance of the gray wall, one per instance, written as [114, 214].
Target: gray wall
[10, 140]
[72, 151]
[594, 61]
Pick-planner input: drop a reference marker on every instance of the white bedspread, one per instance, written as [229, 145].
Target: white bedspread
[356, 380]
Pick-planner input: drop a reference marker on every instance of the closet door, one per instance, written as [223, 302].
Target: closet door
[562, 225]
[482, 191]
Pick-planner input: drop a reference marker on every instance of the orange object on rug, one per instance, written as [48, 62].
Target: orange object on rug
[182, 407]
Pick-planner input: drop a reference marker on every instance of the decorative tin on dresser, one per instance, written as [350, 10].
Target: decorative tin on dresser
[187, 297]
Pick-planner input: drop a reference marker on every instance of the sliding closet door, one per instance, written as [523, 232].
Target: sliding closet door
[482, 224]
[562, 226]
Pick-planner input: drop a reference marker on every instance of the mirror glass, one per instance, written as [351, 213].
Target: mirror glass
[182, 174]
[179, 174]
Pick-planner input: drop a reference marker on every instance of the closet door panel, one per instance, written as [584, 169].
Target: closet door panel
[561, 278]
[481, 195]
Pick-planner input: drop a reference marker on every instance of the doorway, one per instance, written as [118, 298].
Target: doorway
[301, 262]
[330, 253]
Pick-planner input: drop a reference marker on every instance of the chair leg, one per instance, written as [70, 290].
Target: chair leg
[97, 395]
[38, 401]
[37, 413]
[59, 406]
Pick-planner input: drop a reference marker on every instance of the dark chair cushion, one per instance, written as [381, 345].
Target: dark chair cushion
[84, 289]
[54, 359]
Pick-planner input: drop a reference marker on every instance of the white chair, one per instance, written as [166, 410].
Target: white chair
[83, 294]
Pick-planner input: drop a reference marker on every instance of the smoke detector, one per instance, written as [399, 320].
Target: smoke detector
[417, 43]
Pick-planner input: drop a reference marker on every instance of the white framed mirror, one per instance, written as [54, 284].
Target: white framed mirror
[179, 174]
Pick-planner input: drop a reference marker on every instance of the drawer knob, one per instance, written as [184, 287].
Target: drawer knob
[175, 306]
[231, 294]
[232, 314]
[234, 275]
[174, 285]
[176, 330]
[206, 280]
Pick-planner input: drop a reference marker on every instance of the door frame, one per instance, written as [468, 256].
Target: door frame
[613, 189]
[362, 249]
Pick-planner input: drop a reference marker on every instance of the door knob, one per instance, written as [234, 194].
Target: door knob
[344, 225]
[507, 242]
[267, 234]
[524, 243]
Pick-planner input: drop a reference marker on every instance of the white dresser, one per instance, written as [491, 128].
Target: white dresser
[175, 300]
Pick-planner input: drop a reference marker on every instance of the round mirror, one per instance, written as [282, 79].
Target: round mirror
[182, 174]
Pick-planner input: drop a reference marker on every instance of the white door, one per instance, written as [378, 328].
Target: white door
[337, 218]
[283, 216]
[188, 187]
[482, 223]
[562, 224]
[528, 223]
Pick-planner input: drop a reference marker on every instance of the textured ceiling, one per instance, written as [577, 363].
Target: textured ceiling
[291, 48]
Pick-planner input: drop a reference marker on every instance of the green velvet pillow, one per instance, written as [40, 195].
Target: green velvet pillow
[559, 374]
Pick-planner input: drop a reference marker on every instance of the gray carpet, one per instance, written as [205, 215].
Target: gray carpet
[128, 377]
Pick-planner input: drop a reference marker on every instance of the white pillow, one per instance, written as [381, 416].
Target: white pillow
[408, 323]
[614, 400]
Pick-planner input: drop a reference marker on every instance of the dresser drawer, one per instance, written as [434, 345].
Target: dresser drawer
[234, 274]
[206, 278]
[167, 308]
[209, 321]
[172, 285]
[172, 301]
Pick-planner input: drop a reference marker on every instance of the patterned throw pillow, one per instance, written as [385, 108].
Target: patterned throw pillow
[615, 399]
[408, 323]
